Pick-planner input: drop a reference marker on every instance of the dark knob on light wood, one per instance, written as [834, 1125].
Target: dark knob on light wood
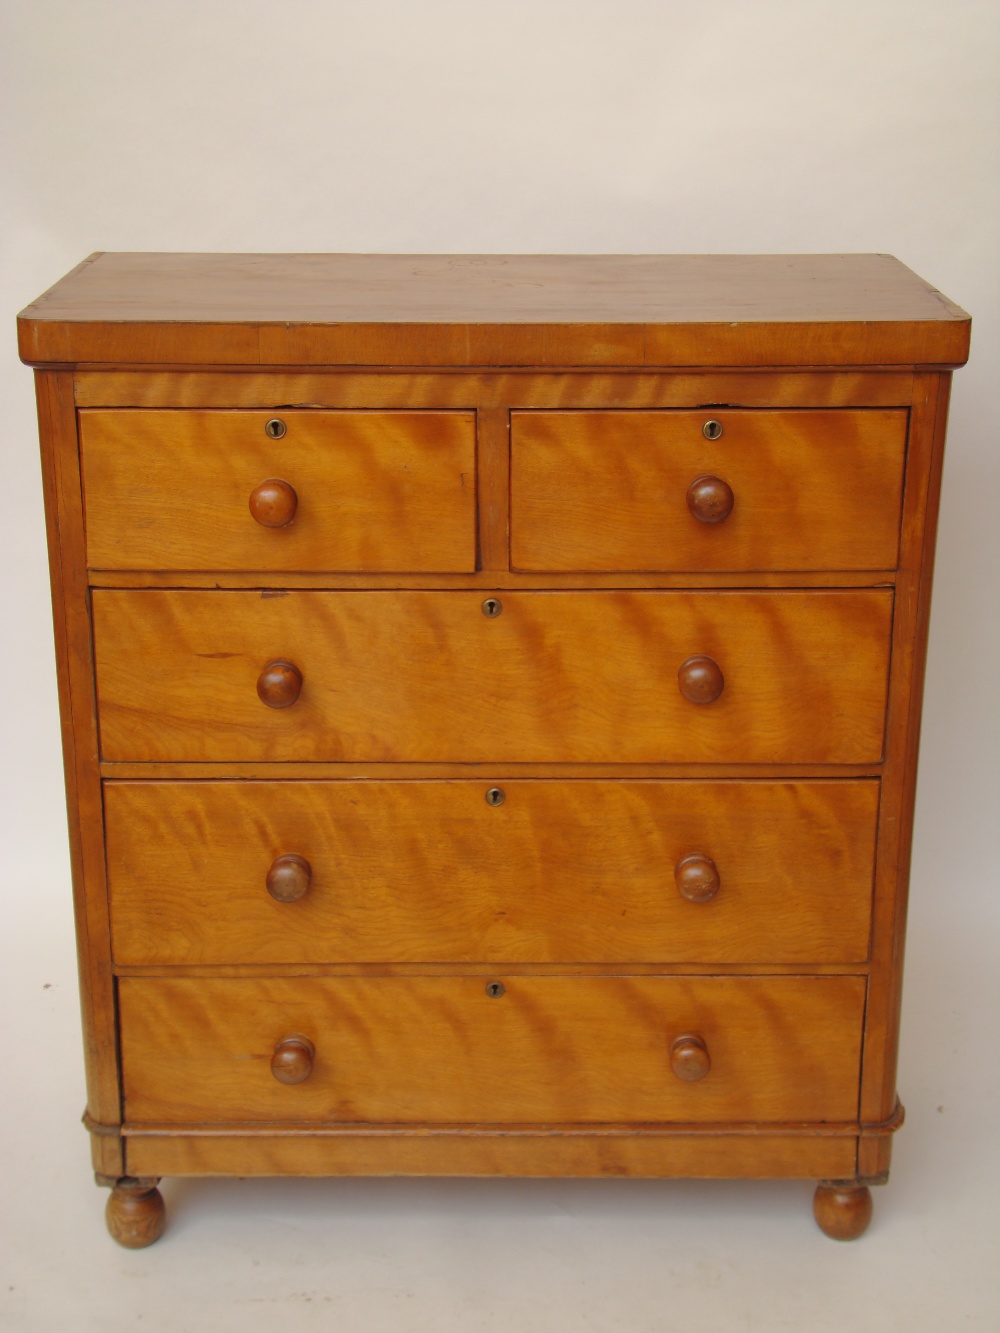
[279, 684]
[292, 1061]
[689, 1058]
[273, 503]
[289, 878]
[700, 679]
[697, 877]
[710, 499]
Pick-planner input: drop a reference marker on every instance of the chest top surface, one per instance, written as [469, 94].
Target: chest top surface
[481, 310]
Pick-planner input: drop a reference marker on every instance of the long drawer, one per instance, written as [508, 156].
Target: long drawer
[561, 871]
[425, 676]
[774, 490]
[366, 491]
[464, 1050]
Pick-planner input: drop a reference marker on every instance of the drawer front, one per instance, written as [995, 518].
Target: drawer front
[369, 491]
[425, 676]
[562, 871]
[809, 490]
[441, 1049]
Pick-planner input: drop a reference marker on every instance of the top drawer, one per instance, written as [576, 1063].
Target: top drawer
[363, 491]
[808, 490]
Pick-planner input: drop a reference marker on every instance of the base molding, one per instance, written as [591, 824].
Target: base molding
[649, 1154]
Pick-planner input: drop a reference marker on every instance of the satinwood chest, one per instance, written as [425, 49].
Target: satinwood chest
[491, 690]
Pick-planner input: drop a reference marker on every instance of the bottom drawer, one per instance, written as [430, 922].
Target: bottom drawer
[443, 1049]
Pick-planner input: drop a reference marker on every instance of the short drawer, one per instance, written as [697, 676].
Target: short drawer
[445, 1050]
[647, 491]
[556, 676]
[205, 873]
[339, 491]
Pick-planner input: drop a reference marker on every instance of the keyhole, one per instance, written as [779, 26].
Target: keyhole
[495, 796]
[494, 989]
[275, 428]
[712, 429]
[492, 607]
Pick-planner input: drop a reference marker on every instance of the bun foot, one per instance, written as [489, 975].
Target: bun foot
[842, 1211]
[135, 1213]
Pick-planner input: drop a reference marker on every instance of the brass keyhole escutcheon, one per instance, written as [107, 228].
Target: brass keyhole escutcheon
[275, 428]
[494, 989]
[495, 796]
[492, 607]
[712, 429]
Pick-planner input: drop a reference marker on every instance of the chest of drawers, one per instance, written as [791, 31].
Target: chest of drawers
[490, 693]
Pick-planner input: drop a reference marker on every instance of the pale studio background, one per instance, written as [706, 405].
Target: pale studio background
[542, 125]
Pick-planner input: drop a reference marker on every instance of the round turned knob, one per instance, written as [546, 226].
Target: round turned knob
[279, 684]
[289, 878]
[710, 499]
[689, 1058]
[697, 878]
[700, 679]
[273, 503]
[292, 1061]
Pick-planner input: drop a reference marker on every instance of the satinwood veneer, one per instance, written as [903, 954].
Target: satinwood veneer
[491, 690]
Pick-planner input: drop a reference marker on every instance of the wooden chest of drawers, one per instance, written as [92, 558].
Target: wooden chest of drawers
[490, 693]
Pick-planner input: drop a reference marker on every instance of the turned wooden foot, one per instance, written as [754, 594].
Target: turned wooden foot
[135, 1213]
[842, 1210]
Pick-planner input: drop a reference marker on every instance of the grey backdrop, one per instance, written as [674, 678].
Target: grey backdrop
[541, 126]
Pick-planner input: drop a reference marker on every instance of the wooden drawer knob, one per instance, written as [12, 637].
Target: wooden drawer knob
[289, 878]
[697, 878]
[700, 679]
[292, 1061]
[279, 684]
[710, 499]
[689, 1058]
[273, 503]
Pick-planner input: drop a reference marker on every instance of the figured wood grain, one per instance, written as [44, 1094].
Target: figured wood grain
[78, 714]
[482, 310]
[755, 1154]
[874, 1154]
[924, 468]
[484, 970]
[426, 676]
[608, 490]
[424, 871]
[375, 490]
[490, 773]
[552, 1049]
[488, 579]
[493, 472]
[502, 389]
[401, 687]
